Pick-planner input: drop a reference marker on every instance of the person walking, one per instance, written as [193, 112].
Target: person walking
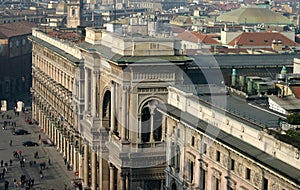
[10, 142]
[6, 185]
[41, 174]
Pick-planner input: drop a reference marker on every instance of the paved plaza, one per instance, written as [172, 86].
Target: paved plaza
[55, 175]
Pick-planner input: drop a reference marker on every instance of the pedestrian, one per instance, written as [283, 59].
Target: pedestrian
[41, 174]
[36, 154]
[3, 173]
[65, 160]
[15, 183]
[24, 161]
[49, 161]
[32, 182]
[39, 136]
[6, 185]
[5, 169]
[10, 142]
[10, 162]
[1, 163]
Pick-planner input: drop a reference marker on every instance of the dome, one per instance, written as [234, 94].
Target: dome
[61, 8]
[253, 15]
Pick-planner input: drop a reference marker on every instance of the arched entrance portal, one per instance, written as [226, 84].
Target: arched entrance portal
[106, 110]
[151, 122]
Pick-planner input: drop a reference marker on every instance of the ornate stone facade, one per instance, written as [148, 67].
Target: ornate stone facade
[223, 161]
[101, 113]
[106, 108]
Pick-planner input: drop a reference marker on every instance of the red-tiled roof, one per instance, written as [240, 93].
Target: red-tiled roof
[196, 37]
[296, 91]
[16, 29]
[261, 39]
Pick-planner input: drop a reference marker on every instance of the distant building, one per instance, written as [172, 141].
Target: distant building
[15, 56]
[253, 15]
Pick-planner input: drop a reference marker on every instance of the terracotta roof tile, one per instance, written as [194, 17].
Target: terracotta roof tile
[197, 37]
[16, 29]
[296, 91]
[261, 39]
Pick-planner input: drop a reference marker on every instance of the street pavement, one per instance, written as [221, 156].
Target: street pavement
[56, 175]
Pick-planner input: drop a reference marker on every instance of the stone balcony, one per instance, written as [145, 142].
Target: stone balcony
[136, 155]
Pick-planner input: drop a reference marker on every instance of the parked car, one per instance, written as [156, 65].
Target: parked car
[30, 143]
[20, 132]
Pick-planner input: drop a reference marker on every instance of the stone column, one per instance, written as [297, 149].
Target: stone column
[61, 143]
[111, 178]
[86, 90]
[163, 128]
[65, 147]
[127, 181]
[123, 132]
[68, 150]
[81, 169]
[52, 131]
[75, 160]
[57, 139]
[71, 154]
[94, 93]
[151, 126]
[86, 166]
[139, 129]
[123, 181]
[55, 135]
[94, 170]
[112, 114]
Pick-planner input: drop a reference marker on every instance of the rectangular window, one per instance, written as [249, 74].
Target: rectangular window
[218, 156]
[204, 148]
[215, 183]
[248, 173]
[193, 141]
[265, 184]
[232, 164]
[203, 178]
[192, 171]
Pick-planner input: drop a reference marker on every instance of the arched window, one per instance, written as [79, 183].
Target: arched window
[106, 110]
[151, 118]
